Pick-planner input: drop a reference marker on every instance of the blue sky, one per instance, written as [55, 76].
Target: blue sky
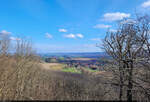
[65, 25]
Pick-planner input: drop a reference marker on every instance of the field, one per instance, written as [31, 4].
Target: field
[63, 68]
[52, 66]
[71, 70]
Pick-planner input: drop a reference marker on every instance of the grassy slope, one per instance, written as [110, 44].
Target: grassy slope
[72, 70]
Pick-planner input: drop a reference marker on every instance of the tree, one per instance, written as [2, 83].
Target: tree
[125, 46]
[4, 44]
[143, 78]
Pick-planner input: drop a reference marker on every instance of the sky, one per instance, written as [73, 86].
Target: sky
[65, 25]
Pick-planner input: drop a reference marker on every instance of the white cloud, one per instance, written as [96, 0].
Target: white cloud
[79, 35]
[102, 26]
[96, 39]
[128, 21]
[113, 30]
[62, 30]
[14, 38]
[48, 35]
[4, 32]
[70, 36]
[146, 4]
[115, 16]
[73, 35]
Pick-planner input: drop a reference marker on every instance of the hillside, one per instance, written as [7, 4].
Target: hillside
[83, 54]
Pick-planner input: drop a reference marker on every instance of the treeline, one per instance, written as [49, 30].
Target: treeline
[17, 60]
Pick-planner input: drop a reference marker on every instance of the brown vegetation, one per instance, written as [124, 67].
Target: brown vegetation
[24, 78]
[129, 47]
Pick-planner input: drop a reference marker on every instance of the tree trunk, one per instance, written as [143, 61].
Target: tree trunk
[130, 84]
[121, 81]
[121, 91]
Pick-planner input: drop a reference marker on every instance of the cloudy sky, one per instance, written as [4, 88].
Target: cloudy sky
[65, 25]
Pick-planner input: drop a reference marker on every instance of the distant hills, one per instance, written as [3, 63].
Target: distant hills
[78, 54]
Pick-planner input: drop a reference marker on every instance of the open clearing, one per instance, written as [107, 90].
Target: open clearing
[52, 66]
[58, 67]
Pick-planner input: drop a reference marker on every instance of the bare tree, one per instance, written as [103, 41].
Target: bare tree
[124, 46]
[4, 44]
[143, 78]
[16, 69]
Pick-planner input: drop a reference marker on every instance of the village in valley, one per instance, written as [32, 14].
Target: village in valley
[93, 63]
